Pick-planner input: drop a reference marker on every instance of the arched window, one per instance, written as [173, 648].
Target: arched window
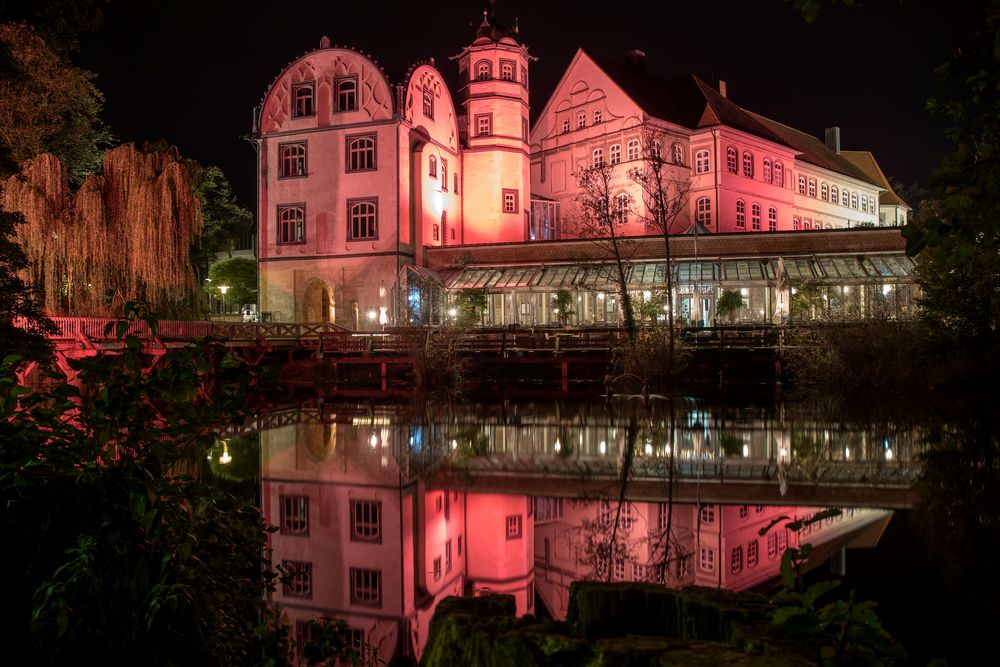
[621, 209]
[824, 191]
[834, 194]
[854, 200]
[844, 198]
[616, 153]
[597, 116]
[864, 204]
[292, 162]
[807, 223]
[772, 219]
[701, 162]
[747, 164]
[598, 157]
[632, 149]
[362, 216]
[678, 154]
[812, 187]
[484, 70]
[703, 211]
[291, 224]
[736, 560]
[302, 99]
[437, 232]
[796, 223]
[361, 152]
[432, 167]
[565, 125]
[741, 214]
[506, 70]
[802, 184]
[347, 95]
[657, 149]
[767, 170]
[779, 175]
[755, 217]
[731, 160]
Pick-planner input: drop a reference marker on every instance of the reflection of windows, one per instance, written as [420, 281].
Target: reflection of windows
[292, 160]
[291, 224]
[297, 582]
[741, 214]
[708, 514]
[362, 218]
[366, 521]
[366, 587]
[437, 568]
[736, 560]
[347, 94]
[706, 559]
[514, 527]
[294, 515]
[303, 99]
[361, 152]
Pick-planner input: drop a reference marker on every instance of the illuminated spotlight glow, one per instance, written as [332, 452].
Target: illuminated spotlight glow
[647, 295]
[454, 444]
[888, 455]
[452, 312]
[373, 441]
[372, 314]
[385, 461]
[603, 447]
[558, 445]
[847, 453]
[649, 449]
[746, 451]
[782, 451]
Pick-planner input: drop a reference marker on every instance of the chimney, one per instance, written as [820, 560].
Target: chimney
[722, 88]
[636, 59]
[833, 139]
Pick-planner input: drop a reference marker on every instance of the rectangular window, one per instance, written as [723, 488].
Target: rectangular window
[362, 219]
[514, 527]
[366, 587]
[701, 163]
[565, 125]
[484, 125]
[796, 223]
[297, 579]
[510, 203]
[437, 569]
[291, 224]
[736, 560]
[524, 129]
[366, 521]
[456, 182]
[597, 116]
[616, 153]
[292, 160]
[632, 149]
[581, 120]
[598, 157]
[524, 76]
[812, 187]
[346, 94]
[706, 559]
[459, 545]
[303, 99]
[444, 175]
[429, 103]
[506, 70]
[619, 569]
[708, 514]
[294, 515]
[802, 185]
[447, 556]
[360, 152]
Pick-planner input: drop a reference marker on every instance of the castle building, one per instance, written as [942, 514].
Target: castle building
[370, 190]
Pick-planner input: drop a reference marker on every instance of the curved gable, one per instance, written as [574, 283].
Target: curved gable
[443, 124]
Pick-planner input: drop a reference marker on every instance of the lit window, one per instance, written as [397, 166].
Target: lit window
[741, 214]
[824, 192]
[731, 160]
[366, 521]
[437, 568]
[767, 170]
[581, 120]
[297, 580]
[747, 164]
[812, 187]
[432, 167]
[597, 116]
[429, 103]
[632, 150]
[444, 174]
[616, 153]
[706, 559]
[292, 224]
[565, 125]
[772, 219]
[366, 587]
[834, 194]
[360, 152]
[347, 94]
[678, 154]
[303, 94]
[779, 175]
[514, 527]
[708, 514]
[484, 125]
[362, 217]
[802, 185]
[509, 201]
[292, 160]
[755, 218]
[506, 70]
[701, 162]
[294, 515]
[703, 211]
[598, 157]
[484, 70]
[736, 560]
[621, 209]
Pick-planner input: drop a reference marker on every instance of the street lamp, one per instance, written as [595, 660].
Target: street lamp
[223, 289]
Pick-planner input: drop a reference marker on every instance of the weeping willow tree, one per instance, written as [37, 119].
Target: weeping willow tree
[126, 234]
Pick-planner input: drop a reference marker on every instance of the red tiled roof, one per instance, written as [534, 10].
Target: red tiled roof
[865, 161]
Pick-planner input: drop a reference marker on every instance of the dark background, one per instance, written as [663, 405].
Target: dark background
[191, 71]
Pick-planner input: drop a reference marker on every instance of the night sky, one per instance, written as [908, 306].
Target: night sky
[191, 71]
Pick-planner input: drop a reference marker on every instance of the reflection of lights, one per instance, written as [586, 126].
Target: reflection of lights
[847, 453]
[372, 315]
[886, 289]
[383, 315]
[558, 445]
[225, 459]
[370, 421]
[888, 455]
[454, 444]
[649, 449]
[746, 451]
[603, 447]
[555, 310]
[647, 295]
[385, 461]
[666, 309]
[600, 296]
[373, 441]
[782, 452]
[452, 312]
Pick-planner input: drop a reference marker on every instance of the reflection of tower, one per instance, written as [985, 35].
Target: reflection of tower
[493, 73]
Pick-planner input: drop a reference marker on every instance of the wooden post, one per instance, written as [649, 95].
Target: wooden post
[565, 377]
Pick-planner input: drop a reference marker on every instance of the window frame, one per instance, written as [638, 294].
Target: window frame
[282, 147]
[513, 70]
[432, 166]
[766, 170]
[357, 504]
[337, 83]
[285, 502]
[305, 84]
[632, 151]
[779, 174]
[349, 140]
[350, 221]
[772, 219]
[732, 164]
[801, 185]
[479, 70]
[444, 174]
[615, 154]
[488, 117]
[598, 116]
[597, 157]
[503, 200]
[741, 214]
[301, 589]
[706, 559]
[515, 526]
[581, 120]
[356, 586]
[428, 102]
[755, 217]
[812, 188]
[281, 208]
[678, 153]
[706, 211]
[702, 162]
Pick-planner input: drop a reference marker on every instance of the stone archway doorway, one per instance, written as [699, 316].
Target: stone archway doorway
[317, 303]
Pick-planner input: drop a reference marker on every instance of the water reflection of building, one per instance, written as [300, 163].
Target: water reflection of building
[367, 543]
[711, 545]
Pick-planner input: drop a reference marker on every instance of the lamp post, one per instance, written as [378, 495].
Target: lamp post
[223, 289]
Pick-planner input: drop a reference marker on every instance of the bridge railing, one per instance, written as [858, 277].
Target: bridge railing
[103, 329]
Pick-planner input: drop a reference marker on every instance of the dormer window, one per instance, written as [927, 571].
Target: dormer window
[347, 94]
[429, 103]
[565, 125]
[303, 96]
[506, 70]
[484, 70]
